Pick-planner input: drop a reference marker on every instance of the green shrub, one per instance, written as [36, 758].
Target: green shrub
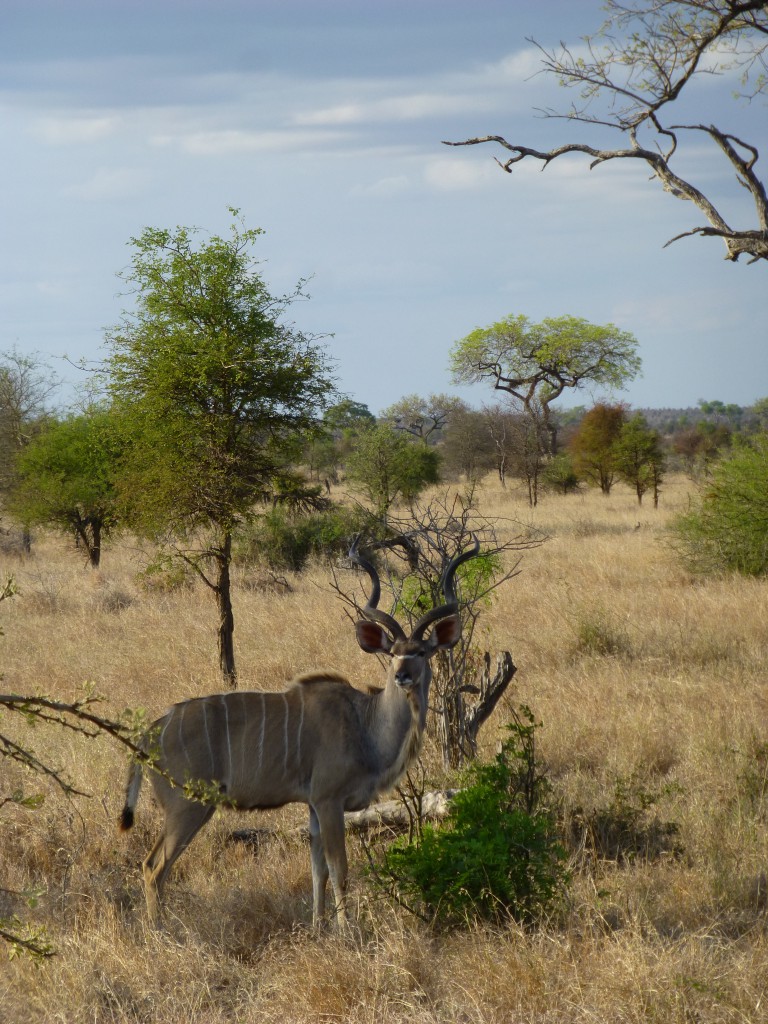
[727, 529]
[497, 856]
[284, 539]
[559, 474]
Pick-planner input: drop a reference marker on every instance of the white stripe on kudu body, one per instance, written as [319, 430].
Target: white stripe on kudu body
[320, 742]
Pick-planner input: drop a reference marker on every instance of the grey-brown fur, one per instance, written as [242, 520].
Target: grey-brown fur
[321, 742]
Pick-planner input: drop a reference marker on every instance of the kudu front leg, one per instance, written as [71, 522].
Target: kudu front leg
[329, 858]
[319, 869]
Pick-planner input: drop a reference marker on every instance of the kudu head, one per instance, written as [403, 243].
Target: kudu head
[380, 633]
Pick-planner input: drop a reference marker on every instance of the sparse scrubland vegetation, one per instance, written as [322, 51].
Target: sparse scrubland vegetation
[626, 766]
[649, 682]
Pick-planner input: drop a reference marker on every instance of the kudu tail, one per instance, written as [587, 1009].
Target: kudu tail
[131, 796]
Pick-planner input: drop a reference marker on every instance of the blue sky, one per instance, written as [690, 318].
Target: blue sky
[322, 121]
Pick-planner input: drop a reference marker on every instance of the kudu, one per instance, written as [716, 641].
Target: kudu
[321, 742]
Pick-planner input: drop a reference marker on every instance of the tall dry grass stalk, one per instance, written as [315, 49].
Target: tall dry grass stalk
[651, 687]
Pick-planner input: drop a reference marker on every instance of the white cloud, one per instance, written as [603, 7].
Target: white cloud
[412, 107]
[385, 187]
[52, 289]
[517, 67]
[73, 129]
[219, 142]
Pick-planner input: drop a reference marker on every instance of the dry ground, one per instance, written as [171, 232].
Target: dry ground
[652, 690]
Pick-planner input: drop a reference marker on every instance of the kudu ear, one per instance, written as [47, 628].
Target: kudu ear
[372, 637]
[445, 634]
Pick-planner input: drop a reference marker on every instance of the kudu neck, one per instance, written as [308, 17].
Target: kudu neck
[399, 716]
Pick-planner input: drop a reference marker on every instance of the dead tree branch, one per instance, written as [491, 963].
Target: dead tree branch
[638, 64]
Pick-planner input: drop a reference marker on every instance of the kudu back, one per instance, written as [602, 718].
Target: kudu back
[321, 742]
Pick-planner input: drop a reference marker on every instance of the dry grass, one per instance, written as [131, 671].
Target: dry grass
[652, 692]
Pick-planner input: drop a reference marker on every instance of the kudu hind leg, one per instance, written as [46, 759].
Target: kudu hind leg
[179, 829]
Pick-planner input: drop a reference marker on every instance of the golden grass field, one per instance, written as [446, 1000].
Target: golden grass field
[651, 686]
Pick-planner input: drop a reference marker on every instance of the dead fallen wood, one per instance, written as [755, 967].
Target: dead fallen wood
[389, 814]
[395, 814]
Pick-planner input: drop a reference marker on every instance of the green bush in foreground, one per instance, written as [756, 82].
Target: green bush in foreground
[497, 856]
[727, 530]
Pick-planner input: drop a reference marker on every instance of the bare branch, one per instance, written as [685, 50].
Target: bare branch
[643, 57]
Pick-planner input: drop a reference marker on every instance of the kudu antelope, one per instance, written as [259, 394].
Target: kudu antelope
[320, 742]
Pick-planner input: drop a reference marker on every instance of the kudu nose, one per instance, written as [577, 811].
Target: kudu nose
[403, 678]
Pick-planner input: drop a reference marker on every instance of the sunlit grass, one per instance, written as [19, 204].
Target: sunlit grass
[649, 683]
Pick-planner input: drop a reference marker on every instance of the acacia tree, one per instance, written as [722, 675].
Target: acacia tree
[65, 478]
[387, 465]
[639, 457]
[214, 390]
[536, 363]
[328, 448]
[636, 66]
[592, 445]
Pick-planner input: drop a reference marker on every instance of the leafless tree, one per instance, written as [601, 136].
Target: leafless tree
[26, 385]
[630, 73]
[424, 418]
[466, 686]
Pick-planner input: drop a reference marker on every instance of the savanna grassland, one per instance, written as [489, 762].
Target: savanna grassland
[651, 687]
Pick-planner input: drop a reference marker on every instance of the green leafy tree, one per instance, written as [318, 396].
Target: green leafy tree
[592, 444]
[629, 77]
[537, 363]
[66, 479]
[386, 464]
[727, 529]
[340, 426]
[560, 474]
[759, 412]
[722, 413]
[215, 390]
[639, 457]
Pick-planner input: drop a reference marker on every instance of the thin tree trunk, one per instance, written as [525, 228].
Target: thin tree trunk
[89, 532]
[226, 615]
[94, 547]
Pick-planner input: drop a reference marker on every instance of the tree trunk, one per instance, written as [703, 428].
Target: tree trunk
[464, 707]
[89, 532]
[226, 616]
[491, 689]
[94, 546]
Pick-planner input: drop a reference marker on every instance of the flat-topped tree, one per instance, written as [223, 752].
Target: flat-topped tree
[536, 363]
